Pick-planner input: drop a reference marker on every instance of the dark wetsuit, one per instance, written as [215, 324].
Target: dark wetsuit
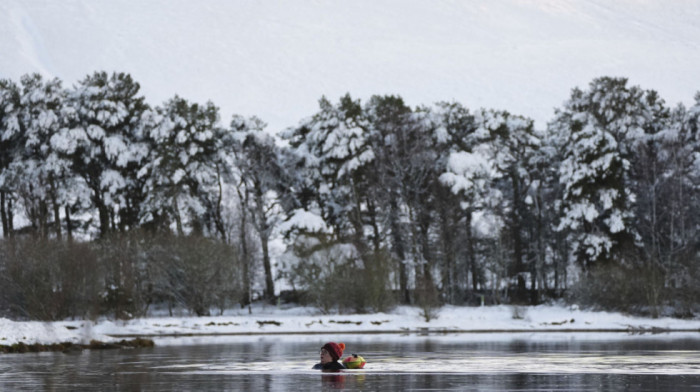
[335, 365]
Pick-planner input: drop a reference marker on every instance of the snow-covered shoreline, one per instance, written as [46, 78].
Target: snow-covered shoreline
[300, 320]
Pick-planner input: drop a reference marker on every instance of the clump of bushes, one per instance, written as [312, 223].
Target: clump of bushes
[334, 278]
[119, 276]
[44, 279]
[630, 289]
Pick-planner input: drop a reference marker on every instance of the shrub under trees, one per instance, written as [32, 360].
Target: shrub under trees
[120, 276]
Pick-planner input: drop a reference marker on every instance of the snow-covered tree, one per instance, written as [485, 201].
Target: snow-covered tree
[10, 133]
[105, 141]
[454, 131]
[547, 248]
[667, 215]
[600, 130]
[490, 166]
[512, 143]
[407, 170]
[340, 180]
[41, 169]
[38, 173]
[183, 171]
[332, 145]
[262, 184]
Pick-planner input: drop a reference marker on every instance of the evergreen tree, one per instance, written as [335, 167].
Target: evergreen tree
[41, 169]
[455, 129]
[406, 169]
[490, 166]
[600, 128]
[183, 171]
[512, 144]
[107, 144]
[341, 183]
[332, 144]
[38, 173]
[10, 136]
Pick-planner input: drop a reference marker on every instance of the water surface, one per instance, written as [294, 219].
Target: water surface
[468, 362]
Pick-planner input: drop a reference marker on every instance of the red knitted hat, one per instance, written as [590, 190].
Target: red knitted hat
[334, 349]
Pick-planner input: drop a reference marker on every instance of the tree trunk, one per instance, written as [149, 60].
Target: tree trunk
[112, 219]
[400, 251]
[129, 219]
[372, 215]
[539, 266]
[471, 257]
[516, 227]
[10, 217]
[218, 218]
[104, 214]
[245, 257]
[263, 229]
[357, 223]
[69, 227]
[57, 218]
[534, 294]
[3, 213]
[269, 284]
[43, 219]
[428, 261]
[56, 207]
[448, 273]
[417, 255]
[178, 219]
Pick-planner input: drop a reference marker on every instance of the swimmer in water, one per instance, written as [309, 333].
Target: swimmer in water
[330, 354]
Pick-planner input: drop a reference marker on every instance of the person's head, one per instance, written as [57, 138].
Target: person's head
[331, 352]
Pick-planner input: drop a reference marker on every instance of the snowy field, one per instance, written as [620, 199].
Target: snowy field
[299, 320]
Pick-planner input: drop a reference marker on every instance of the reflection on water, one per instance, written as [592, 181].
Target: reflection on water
[457, 362]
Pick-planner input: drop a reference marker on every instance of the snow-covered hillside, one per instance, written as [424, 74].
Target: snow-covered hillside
[274, 59]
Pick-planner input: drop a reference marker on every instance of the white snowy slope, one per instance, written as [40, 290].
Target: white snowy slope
[276, 58]
[307, 321]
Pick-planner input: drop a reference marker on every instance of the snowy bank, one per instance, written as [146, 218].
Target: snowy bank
[300, 320]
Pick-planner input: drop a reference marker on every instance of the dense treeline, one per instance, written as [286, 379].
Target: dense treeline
[121, 206]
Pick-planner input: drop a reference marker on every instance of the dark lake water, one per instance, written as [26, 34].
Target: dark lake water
[484, 362]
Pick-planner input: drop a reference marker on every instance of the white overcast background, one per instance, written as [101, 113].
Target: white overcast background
[275, 59]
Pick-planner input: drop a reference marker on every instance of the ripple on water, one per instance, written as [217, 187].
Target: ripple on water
[646, 362]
